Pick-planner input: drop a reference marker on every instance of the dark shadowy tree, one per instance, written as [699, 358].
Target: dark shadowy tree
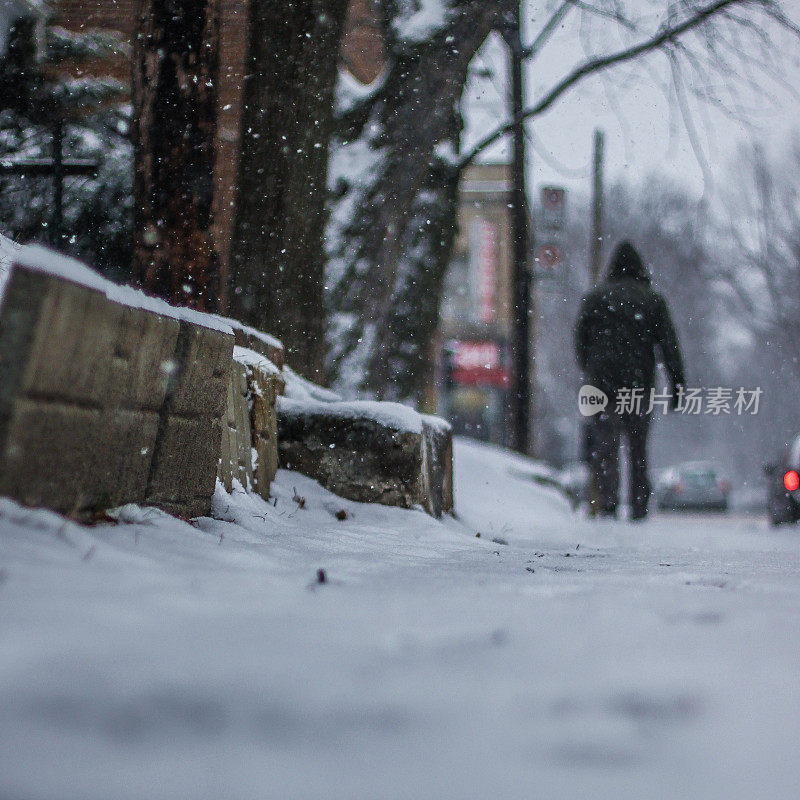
[278, 253]
[761, 268]
[176, 47]
[34, 96]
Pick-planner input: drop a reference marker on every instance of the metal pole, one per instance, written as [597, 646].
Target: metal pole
[521, 286]
[57, 222]
[597, 207]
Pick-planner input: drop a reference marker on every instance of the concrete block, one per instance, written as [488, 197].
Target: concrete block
[70, 352]
[263, 391]
[188, 445]
[236, 459]
[201, 364]
[184, 469]
[438, 465]
[142, 360]
[59, 455]
[103, 403]
[358, 458]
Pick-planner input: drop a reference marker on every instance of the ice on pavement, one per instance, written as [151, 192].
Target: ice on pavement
[159, 659]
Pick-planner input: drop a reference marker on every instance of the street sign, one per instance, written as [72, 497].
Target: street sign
[547, 258]
[551, 216]
[478, 363]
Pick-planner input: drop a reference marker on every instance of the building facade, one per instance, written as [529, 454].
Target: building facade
[473, 356]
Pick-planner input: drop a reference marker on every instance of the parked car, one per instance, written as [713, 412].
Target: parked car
[783, 481]
[697, 486]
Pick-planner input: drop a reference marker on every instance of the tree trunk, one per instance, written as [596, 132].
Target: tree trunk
[401, 363]
[278, 253]
[392, 249]
[175, 108]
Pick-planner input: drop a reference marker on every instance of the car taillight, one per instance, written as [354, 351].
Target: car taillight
[678, 488]
[791, 480]
[724, 486]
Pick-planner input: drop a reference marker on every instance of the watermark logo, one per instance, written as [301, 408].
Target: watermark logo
[591, 400]
[715, 400]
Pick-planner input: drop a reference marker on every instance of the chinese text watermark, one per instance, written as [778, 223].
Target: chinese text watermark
[715, 400]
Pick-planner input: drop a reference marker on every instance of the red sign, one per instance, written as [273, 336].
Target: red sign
[548, 257]
[479, 364]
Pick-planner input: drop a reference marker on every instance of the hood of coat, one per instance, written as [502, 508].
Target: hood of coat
[626, 265]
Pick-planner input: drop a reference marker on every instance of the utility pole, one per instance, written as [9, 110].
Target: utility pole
[597, 207]
[521, 245]
[594, 267]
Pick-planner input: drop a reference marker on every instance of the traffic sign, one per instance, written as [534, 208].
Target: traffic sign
[547, 257]
[553, 204]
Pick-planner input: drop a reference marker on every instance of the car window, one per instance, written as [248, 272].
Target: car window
[700, 477]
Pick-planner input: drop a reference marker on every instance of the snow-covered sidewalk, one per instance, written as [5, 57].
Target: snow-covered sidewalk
[156, 659]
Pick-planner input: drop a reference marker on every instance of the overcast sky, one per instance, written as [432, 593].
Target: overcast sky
[644, 131]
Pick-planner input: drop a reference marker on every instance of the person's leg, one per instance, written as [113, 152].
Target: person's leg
[589, 457]
[605, 440]
[637, 427]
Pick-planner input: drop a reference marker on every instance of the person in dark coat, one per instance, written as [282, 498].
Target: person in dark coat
[624, 327]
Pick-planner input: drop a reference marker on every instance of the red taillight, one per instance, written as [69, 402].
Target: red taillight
[724, 486]
[791, 480]
[678, 488]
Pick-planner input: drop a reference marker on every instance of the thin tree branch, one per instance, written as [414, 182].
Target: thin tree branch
[532, 50]
[665, 37]
[691, 130]
[615, 14]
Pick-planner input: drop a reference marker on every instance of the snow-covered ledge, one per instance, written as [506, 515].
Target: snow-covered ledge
[367, 451]
[107, 396]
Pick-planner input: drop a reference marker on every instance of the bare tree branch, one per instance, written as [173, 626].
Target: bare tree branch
[665, 37]
[532, 50]
[614, 14]
[688, 122]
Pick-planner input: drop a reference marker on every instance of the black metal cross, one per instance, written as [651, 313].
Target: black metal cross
[59, 168]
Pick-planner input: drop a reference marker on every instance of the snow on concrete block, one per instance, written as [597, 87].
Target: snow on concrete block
[300, 388]
[361, 451]
[105, 400]
[262, 343]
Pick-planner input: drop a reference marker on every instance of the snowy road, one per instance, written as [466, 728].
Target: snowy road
[571, 659]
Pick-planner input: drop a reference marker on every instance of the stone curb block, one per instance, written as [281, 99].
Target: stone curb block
[366, 460]
[102, 403]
